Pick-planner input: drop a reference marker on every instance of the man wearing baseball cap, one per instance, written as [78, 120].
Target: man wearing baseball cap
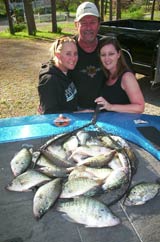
[87, 75]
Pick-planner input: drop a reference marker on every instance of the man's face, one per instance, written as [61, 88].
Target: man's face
[88, 28]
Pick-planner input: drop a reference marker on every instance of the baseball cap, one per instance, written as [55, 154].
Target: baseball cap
[86, 8]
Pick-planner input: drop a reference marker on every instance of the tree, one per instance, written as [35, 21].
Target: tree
[152, 11]
[10, 20]
[118, 10]
[110, 11]
[54, 19]
[102, 10]
[29, 17]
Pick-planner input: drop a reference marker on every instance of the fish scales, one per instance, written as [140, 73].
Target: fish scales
[141, 193]
[80, 186]
[82, 136]
[88, 211]
[99, 160]
[45, 197]
[115, 179]
[21, 161]
[90, 172]
[57, 160]
[53, 171]
[27, 180]
[91, 150]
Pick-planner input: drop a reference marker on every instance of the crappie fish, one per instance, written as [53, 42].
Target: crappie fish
[82, 136]
[21, 161]
[126, 147]
[88, 211]
[141, 193]
[115, 163]
[57, 150]
[42, 160]
[115, 179]
[92, 150]
[56, 160]
[129, 152]
[45, 197]
[70, 144]
[123, 159]
[27, 181]
[80, 186]
[90, 172]
[53, 171]
[80, 171]
[109, 142]
[99, 160]
[94, 141]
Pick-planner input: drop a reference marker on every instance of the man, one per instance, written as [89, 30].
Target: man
[87, 75]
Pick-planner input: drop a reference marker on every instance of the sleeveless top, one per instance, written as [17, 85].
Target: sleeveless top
[114, 94]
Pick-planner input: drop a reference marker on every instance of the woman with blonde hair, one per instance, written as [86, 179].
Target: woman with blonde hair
[57, 92]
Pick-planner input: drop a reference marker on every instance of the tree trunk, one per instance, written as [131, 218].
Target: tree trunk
[29, 17]
[110, 10]
[10, 20]
[152, 11]
[102, 10]
[118, 10]
[54, 19]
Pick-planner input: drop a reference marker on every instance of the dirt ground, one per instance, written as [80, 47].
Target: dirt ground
[20, 61]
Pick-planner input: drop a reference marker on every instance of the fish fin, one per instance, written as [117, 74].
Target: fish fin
[69, 169]
[28, 146]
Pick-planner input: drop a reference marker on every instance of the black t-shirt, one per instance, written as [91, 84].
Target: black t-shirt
[88, 78]
[57, 92]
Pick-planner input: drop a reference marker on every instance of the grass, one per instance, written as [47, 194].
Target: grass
[43, 32]
[19, 96]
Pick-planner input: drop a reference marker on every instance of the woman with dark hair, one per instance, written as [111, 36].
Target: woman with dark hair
[121, 92]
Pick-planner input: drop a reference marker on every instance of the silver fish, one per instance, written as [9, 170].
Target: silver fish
[80, 171]
[71, 144]
[129, 151]
[53, 171]
[92, 150]
[115, 179]
[109, 142]
[80, 186]
[82, 136]
[115, 163]
[88, 211]
[94, 141]
[90, 172]
[42, 160]
[99, 160]
[57, 150]
[123, 159]
[27, 181]
[57, 160]
[141, 193]
[45, 197]
[21, 161]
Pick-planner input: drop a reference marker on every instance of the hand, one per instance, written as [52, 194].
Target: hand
[103, 103]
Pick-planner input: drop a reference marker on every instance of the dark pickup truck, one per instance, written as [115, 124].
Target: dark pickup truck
[140, 40]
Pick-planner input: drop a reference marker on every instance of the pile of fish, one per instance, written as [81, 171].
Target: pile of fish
[70, 173]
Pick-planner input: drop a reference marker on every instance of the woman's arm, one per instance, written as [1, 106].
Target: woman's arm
[130, 85]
